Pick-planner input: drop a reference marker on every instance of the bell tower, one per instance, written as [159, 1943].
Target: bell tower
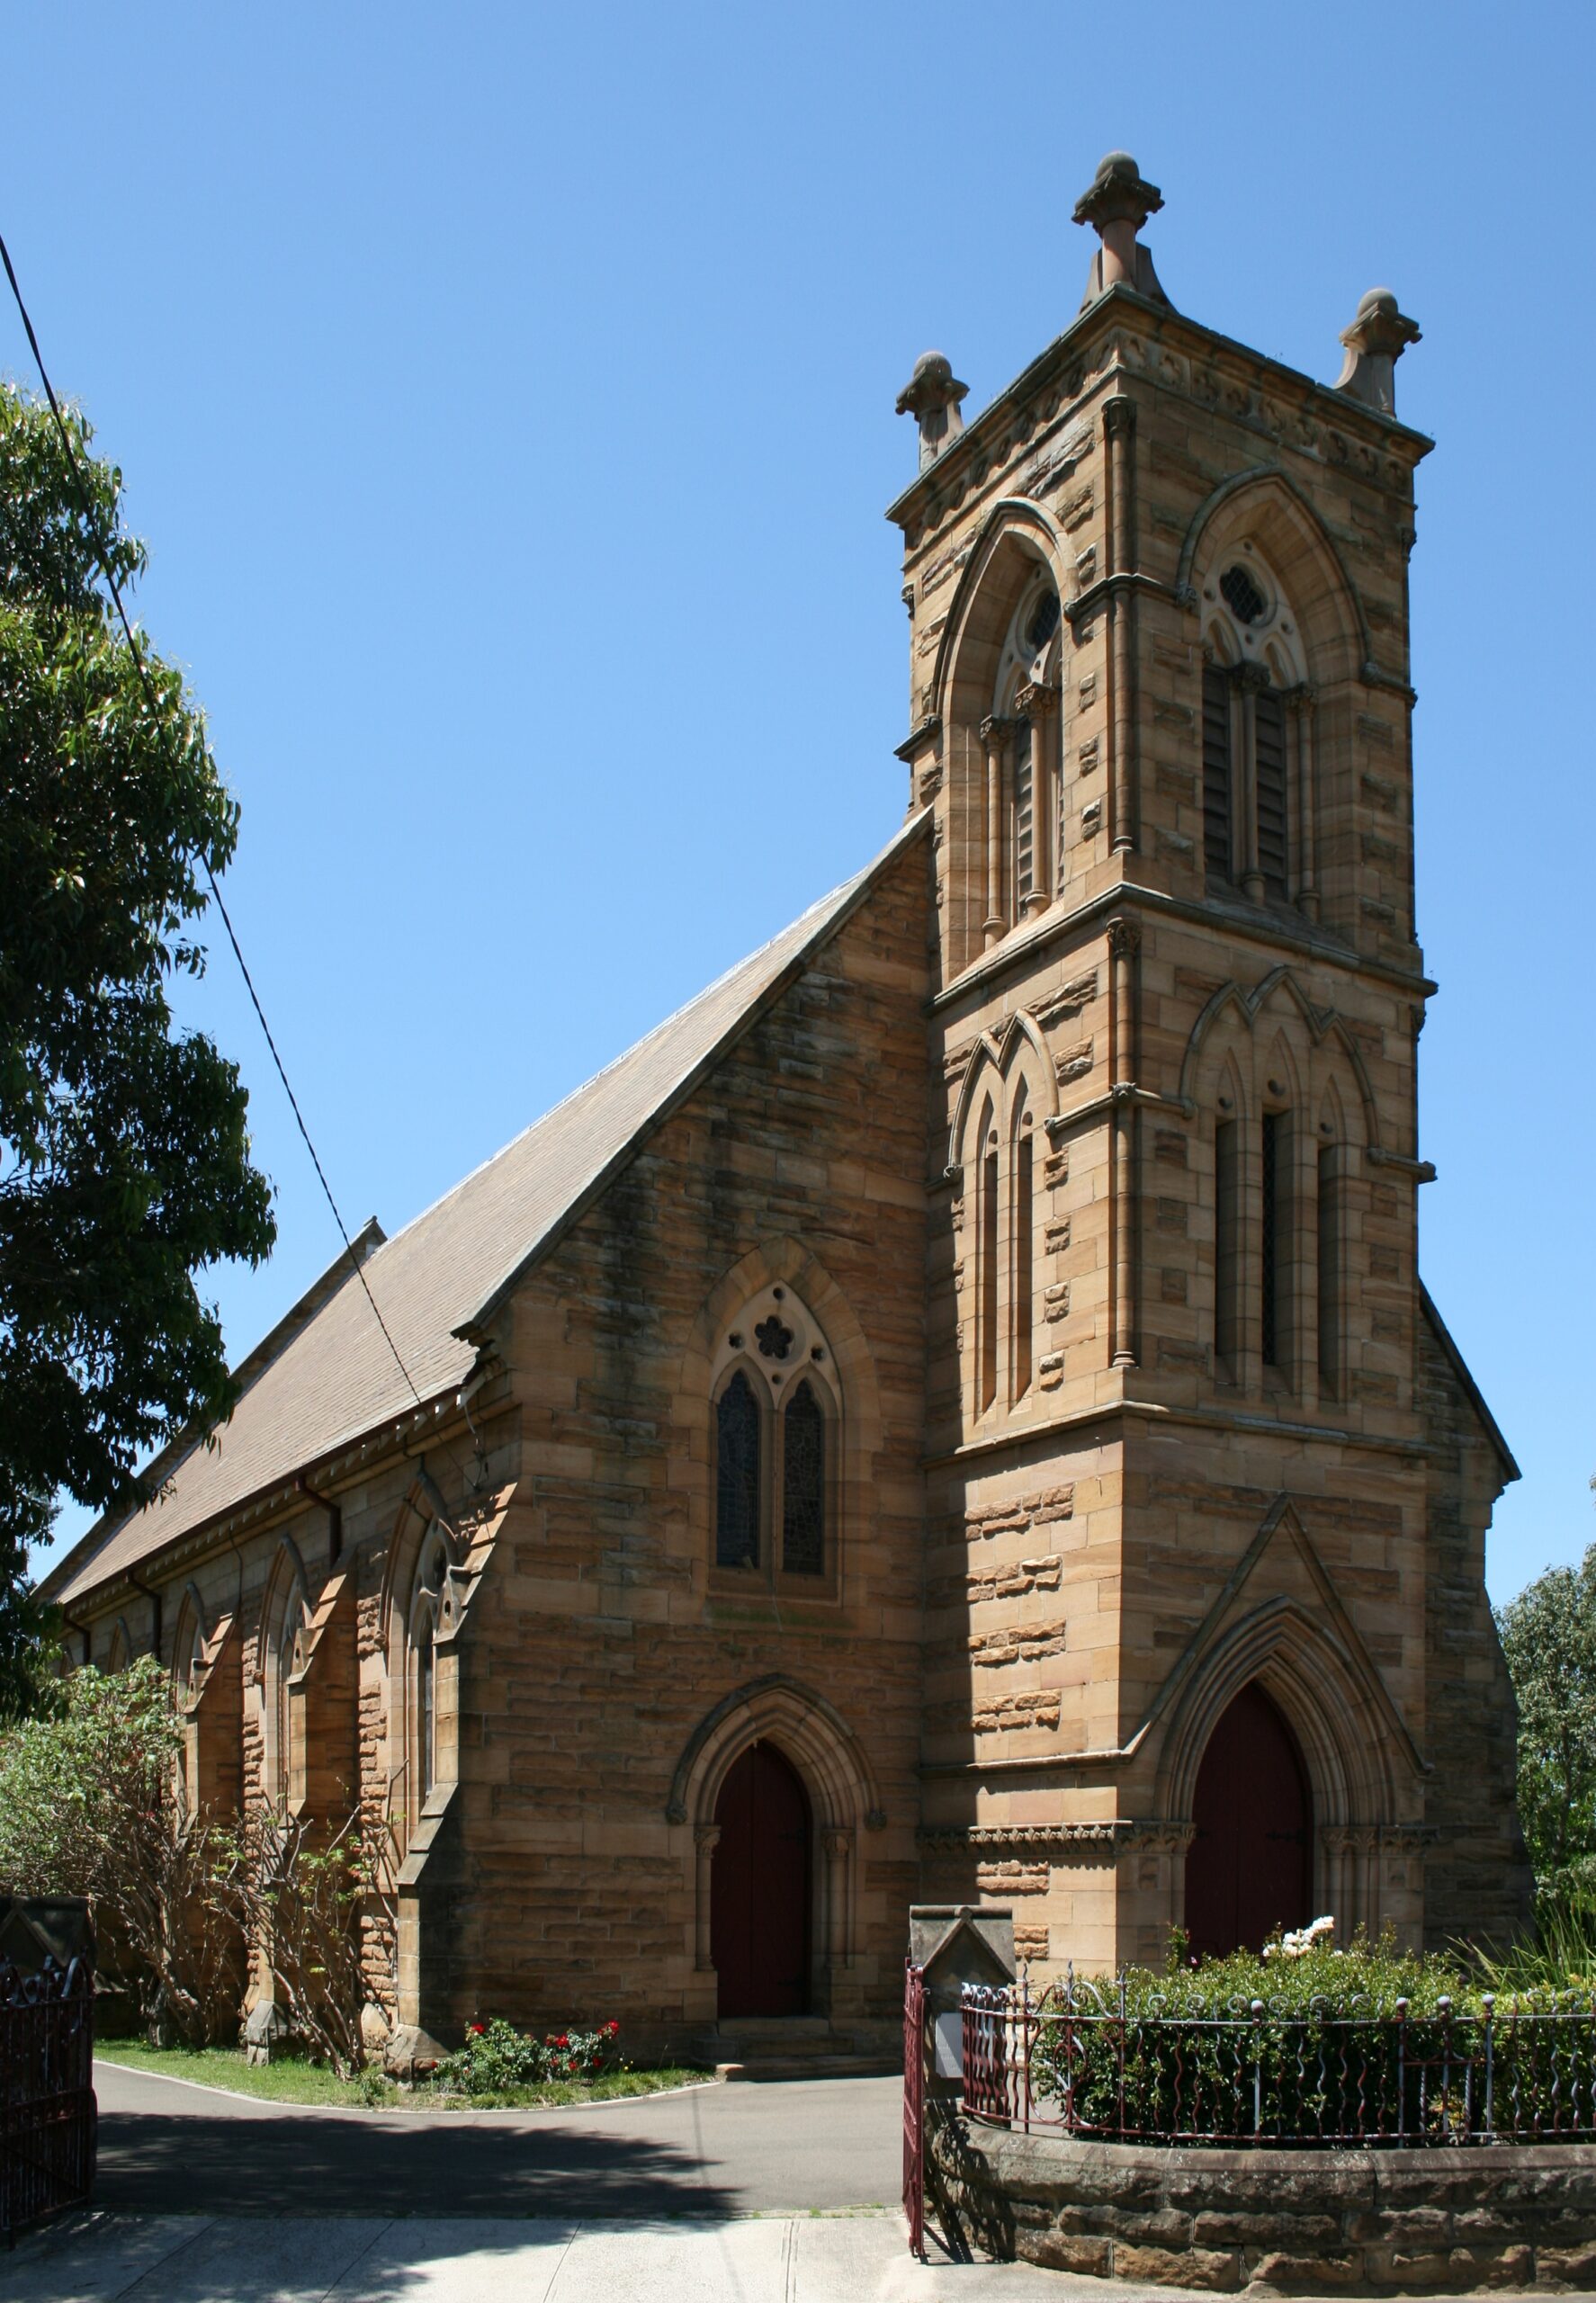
[1196, 1436]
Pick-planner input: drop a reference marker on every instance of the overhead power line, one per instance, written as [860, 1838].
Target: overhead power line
[106, 569]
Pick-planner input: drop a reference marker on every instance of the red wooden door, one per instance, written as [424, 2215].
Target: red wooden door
[759, 1889]
[1250, 1869]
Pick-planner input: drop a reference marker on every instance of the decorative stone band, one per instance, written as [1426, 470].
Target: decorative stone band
[1123, 1835]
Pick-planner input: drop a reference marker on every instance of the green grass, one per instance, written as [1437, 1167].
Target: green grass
[293, 2081]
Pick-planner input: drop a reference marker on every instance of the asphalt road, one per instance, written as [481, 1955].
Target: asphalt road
[168, 2147]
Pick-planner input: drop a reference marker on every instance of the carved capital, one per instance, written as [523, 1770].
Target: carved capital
[1301, 699]
[837, 1843]
[707, 1838]
[995, 732]
[1033, 698]
[1254, 677]
[1124, 937]
[1120, 416]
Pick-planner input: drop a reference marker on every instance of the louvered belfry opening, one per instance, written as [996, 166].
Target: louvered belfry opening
[1269, 770]
[1217, 797]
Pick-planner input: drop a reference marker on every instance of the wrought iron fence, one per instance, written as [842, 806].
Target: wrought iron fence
[1101, 2063]
[47, 2092]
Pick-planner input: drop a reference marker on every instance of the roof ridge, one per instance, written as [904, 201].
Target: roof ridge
[635, 1047]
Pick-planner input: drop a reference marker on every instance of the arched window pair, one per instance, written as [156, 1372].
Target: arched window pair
[1257, 768]
[1005, 1246]
[775, 1443]
[1280, 1213]
[1021, 738]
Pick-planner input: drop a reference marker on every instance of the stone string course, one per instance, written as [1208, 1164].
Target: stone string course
[1274, 2222]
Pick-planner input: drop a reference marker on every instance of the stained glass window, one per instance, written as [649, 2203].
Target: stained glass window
[737, 1476]
[803, 1486]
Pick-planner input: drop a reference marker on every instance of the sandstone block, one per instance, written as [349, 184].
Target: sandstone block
[1217, 2270]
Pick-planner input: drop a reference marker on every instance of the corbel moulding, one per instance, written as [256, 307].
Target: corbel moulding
[1019, 951]
[1079, 1419]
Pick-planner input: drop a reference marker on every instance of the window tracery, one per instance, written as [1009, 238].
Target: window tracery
[775, 1429]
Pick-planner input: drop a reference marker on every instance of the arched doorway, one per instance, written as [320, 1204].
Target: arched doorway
[1250, 1867]
[760, 1887]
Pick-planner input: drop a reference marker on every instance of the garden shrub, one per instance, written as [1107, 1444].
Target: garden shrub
[497, 2058]
[1302, 2041]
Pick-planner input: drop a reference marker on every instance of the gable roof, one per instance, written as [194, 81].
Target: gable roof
[326, 1377]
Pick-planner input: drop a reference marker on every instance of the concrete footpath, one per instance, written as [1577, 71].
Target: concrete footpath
[812, 2258]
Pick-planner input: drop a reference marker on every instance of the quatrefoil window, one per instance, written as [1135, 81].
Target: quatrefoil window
[774, 1337]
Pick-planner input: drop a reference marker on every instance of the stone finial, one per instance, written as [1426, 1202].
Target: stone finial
[1375, 343]
[932, 396]
[1117, 204]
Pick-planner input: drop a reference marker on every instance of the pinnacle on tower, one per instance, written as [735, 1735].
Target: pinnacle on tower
[1117, 204]
[932, 396]
[1375, 342]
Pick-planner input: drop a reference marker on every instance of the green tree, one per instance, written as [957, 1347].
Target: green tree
[124, 1158]
[1549, 1633]
[90, 1805]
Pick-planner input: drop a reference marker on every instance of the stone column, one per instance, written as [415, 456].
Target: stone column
[994, 735]
[705, 1840]
[1302, 701]
[1119, 427]
[1124, 937]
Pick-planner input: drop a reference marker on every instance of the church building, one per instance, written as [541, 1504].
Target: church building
[953, 1414]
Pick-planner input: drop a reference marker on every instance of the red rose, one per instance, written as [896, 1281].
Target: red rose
[478, 2030]
[563, 2040]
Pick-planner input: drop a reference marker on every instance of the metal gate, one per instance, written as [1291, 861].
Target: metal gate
[47, 2091]
[914, 2106]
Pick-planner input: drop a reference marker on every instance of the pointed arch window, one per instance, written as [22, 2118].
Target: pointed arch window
[1000, 1155]
[1021, 742]
[776, 1440]
[1257, 786]
[738, 1451]
[284, 1623]
[429, 1614]
[803, 1483]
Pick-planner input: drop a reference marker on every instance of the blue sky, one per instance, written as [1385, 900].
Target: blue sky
[505, 394]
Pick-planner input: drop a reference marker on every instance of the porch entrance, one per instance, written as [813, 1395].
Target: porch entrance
[1250, 1867]
[759, 1888]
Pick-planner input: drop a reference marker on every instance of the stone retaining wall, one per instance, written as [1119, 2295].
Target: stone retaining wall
[1281, 2222]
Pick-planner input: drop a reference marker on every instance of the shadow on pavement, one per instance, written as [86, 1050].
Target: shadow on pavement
[154, 2164]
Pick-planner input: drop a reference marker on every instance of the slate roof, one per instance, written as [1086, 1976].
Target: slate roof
[325, 1378]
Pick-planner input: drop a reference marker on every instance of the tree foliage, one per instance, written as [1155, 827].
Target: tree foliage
[89, 1806]
[124, 1159]
[1549, 1633]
